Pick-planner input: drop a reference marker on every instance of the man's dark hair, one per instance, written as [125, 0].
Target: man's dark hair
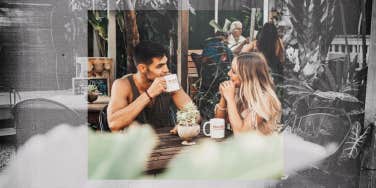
[145, 51]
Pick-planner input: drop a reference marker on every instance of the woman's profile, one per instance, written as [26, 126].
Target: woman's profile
[248, 99]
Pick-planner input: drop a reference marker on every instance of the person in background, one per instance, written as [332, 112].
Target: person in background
[270, 45]
[235, 40]
[216, 49]
[215, 55]
[248, 99]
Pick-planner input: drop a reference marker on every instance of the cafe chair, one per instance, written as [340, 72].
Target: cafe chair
[103, 123]
[39, 115]
[197, 60]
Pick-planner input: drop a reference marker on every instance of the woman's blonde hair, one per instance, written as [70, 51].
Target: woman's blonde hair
[256, 91]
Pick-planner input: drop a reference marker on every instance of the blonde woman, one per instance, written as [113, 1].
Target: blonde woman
[248, 99]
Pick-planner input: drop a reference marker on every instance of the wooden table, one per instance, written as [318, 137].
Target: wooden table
[169, 146]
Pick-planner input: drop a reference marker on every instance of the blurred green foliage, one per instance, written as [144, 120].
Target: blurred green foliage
[120, 155]
[124, 156]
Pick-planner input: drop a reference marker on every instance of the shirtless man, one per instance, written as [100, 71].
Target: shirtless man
[142, 96]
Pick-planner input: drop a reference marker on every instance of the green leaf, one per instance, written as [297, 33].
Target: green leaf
[248, 156]
[355, 141]
[331, 95]
[120, 155]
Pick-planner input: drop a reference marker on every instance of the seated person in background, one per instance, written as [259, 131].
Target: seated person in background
[215, 52]
[142, 96]
[235, 40]
[270, 45]
[216, 49]
[248, 99]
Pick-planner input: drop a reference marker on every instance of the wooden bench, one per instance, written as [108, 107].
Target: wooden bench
[192, 72]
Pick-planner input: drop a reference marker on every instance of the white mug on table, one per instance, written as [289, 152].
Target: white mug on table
[217, 128]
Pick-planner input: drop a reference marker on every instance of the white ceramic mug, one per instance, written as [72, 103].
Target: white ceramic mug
[217, 128]
[172, 82]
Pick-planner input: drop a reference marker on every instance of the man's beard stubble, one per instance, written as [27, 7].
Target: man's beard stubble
[147, 77]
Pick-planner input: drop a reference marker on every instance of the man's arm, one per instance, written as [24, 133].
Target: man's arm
[120, 113]
[180, 98]
[238, 47]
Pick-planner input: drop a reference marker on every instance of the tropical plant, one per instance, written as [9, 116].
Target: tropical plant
[355, 141]
[137, 20]
[208, 96]
[312, 22]
[146, 20]
[249, 24]
[98, 21]
[217, 27]
[92, 88]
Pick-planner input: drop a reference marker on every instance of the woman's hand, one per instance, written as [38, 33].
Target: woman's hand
[227, 90]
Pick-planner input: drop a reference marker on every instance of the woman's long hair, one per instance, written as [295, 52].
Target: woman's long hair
[256, 91]
[267, 40]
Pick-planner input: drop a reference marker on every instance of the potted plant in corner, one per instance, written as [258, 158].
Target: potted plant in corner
[187, 126]
[92, 93]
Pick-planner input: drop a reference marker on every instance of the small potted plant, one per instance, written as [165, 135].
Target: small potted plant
[92, 93]
[187, 126]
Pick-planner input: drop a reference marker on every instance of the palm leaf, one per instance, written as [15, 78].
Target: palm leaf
[215, 25]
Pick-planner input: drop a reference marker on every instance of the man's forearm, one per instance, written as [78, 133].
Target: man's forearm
[125, 116]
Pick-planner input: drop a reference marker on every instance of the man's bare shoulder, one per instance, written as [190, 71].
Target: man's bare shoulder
[122, 85]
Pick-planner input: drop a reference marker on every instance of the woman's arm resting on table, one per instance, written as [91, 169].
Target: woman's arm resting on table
[238, 125]
[220, 111]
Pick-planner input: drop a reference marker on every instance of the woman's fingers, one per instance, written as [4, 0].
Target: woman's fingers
[225, 84]
[228, 83]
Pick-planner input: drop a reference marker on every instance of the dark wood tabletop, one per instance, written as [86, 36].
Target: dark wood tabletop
[169, 146]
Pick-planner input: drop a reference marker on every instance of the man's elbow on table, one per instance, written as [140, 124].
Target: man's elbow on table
[116, 126]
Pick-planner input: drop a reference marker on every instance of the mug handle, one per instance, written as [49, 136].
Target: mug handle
[204, 130]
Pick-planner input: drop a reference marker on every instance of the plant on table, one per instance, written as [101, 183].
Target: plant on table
[187, 123]
[92, 93]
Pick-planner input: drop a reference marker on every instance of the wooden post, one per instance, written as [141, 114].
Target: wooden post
[131, 30]
[266, 11]
[111, 53]
[215, 12]
[368, 173]
[182, 51]
[252, 25]
[364, 28]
